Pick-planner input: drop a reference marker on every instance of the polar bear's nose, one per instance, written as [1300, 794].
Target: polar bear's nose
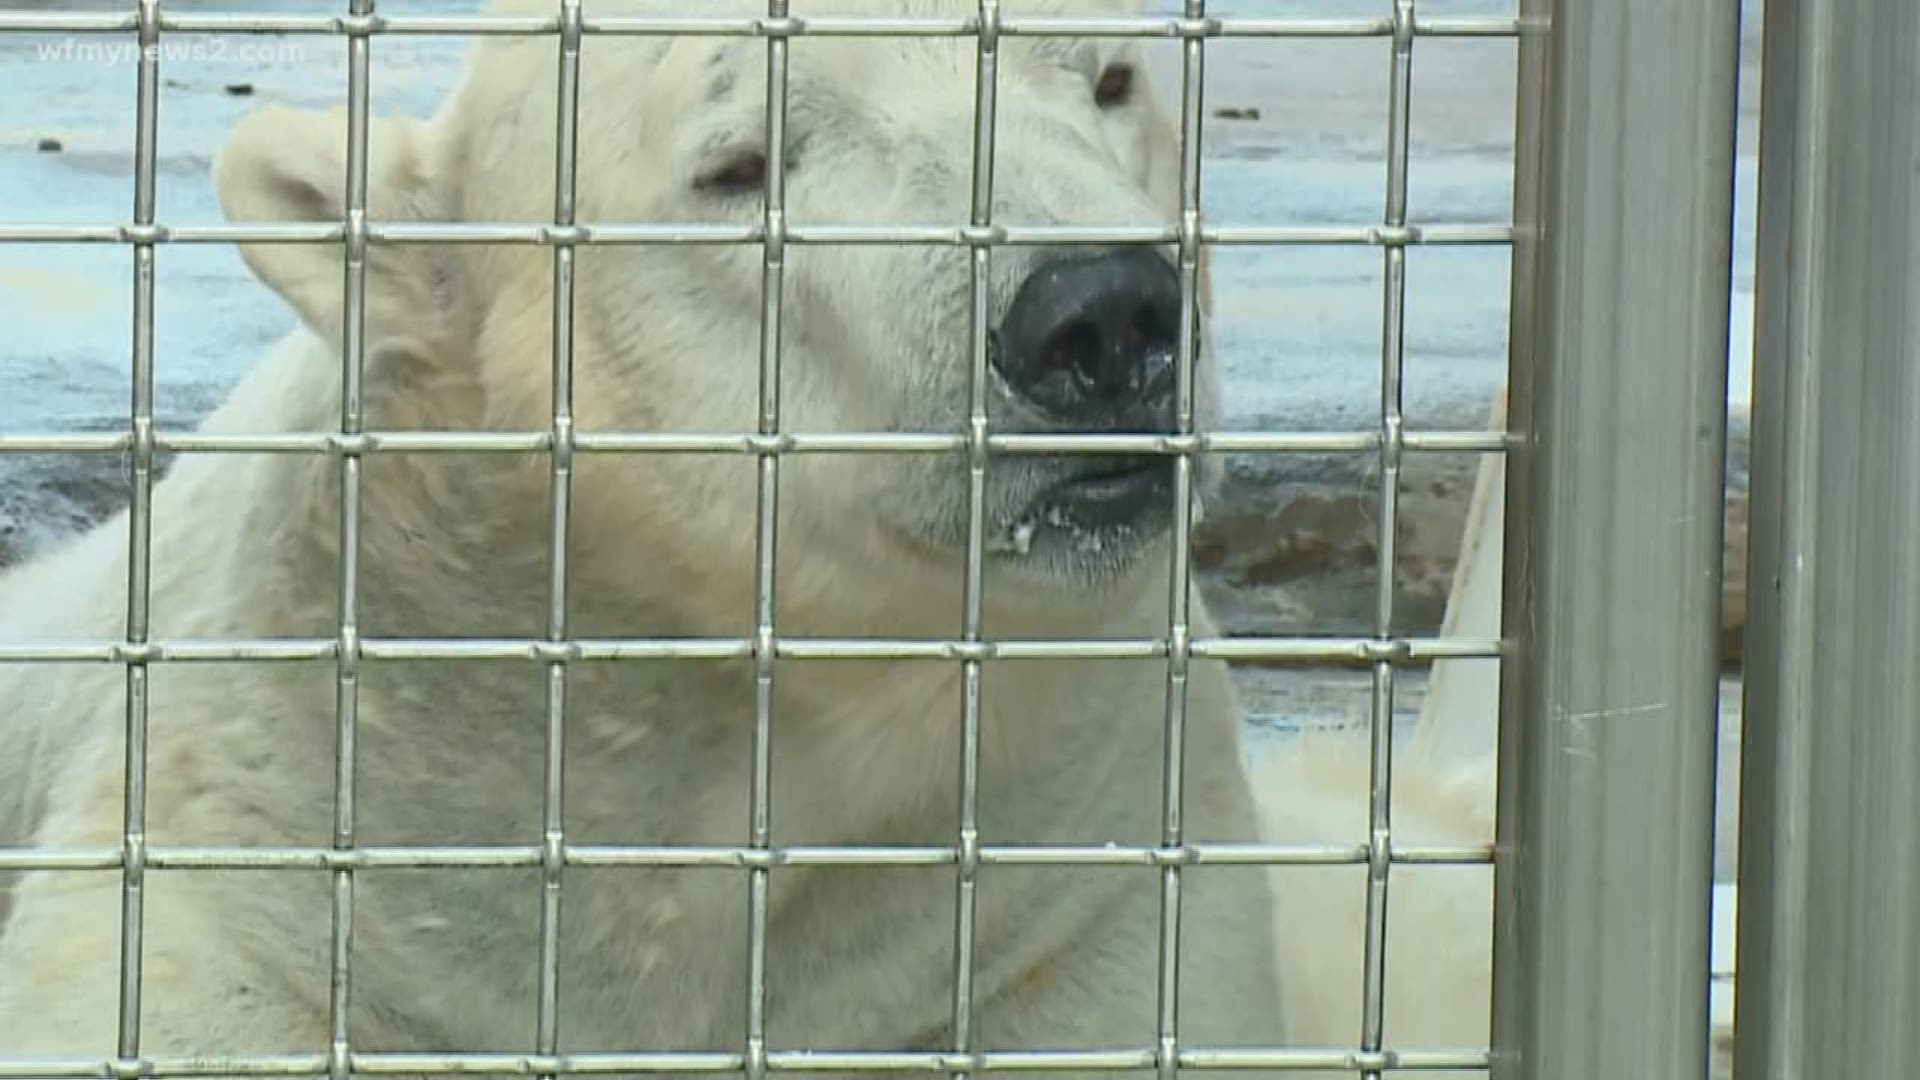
[1092, 339]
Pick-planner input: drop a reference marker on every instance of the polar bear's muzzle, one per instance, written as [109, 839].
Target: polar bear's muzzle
[1088, 345]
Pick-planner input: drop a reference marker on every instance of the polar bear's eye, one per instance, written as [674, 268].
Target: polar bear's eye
[1115, 87]
[742, 174]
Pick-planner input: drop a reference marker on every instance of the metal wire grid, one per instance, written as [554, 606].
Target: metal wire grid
[365, 23]
[558, 651]
[778, 1061]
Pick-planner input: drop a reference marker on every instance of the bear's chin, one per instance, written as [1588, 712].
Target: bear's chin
[1068, 557]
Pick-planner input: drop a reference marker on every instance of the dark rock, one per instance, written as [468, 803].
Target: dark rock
[49, 145]
[1236, 112]
[1291, 547]
[1287, 550]
[1733, 589]
[240, 89]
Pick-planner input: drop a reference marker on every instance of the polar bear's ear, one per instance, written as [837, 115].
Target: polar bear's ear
[289, 166]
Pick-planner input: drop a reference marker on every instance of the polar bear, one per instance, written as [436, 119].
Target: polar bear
[657, 752]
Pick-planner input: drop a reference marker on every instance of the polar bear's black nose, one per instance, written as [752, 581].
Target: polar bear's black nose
[1092, 339]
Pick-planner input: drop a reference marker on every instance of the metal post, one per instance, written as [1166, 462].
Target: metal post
[773, 268]
[1623, 241]
[986, 88]
[133, 847]
[553, 836]
[353, 363]
[1830, 806]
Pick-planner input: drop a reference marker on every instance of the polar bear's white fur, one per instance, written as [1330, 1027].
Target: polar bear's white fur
[1439, 963]
[459, 337]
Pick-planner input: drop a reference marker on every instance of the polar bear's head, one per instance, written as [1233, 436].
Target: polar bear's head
[874, 337]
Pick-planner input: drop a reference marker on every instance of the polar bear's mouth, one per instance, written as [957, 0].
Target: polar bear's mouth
[1118, 485]
[1096, 511]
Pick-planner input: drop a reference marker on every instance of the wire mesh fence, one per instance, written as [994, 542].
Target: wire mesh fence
[560, 652]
